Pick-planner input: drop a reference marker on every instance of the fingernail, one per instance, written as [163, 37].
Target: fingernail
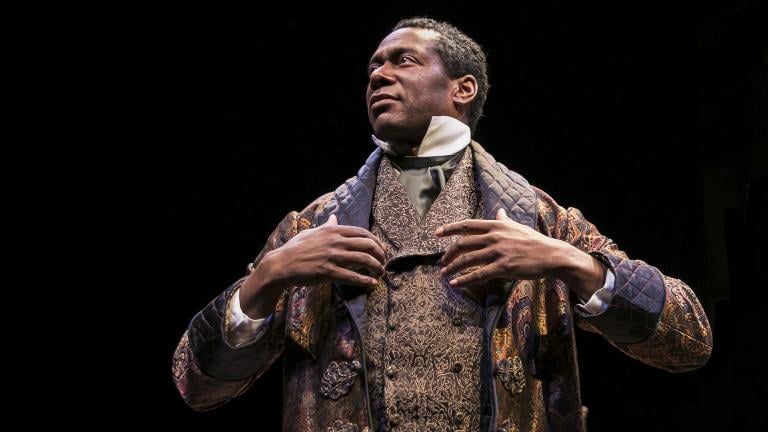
[452, 282]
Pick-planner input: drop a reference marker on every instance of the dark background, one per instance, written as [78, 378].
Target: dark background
[651, 119]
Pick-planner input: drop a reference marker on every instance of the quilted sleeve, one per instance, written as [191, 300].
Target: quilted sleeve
[206, 370]
[652, 317]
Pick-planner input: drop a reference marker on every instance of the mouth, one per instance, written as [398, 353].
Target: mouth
[381, 97]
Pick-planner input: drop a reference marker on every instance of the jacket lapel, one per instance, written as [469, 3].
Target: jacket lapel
[352, 200]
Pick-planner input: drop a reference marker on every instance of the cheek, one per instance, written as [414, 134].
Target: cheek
[434, 94]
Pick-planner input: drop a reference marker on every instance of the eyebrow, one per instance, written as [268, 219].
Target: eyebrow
[394, 53]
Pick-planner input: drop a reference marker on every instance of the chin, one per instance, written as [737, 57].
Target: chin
[388, 130]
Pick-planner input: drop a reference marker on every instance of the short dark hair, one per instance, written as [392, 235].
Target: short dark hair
[461, 55]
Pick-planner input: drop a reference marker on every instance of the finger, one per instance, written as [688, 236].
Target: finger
[360, 262]
[340, 274]
[331, 220]
[464, 244]
[482, 274]
[347, 232]
[467, 226]
[463, 261]
[353, 231]
[368, 246]
[501, 215]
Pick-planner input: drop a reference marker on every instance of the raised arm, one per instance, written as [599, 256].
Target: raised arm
[652, 317]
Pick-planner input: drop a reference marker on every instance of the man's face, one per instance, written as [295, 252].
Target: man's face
[407, 86]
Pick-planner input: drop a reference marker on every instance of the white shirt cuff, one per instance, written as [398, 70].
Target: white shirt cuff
[600, 300]
[240, 330]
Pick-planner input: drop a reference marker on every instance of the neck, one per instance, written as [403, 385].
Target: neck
[405, 148]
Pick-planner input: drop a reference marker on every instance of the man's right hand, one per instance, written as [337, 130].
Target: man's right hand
[327, 253]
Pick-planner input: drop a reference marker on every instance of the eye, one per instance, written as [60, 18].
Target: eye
[406, 59]
[372, 67]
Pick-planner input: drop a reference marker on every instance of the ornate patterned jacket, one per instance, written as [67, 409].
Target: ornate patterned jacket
[528, 370]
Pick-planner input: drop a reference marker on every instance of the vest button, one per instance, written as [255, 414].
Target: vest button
[391, 373]
[459, 417]
[392, 325]
[457, 367]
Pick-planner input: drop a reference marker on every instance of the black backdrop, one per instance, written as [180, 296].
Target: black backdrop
[649, 119]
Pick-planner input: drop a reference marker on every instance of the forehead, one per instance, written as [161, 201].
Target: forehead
[412, 38]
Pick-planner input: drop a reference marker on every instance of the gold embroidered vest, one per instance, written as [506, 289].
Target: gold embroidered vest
[424, 337]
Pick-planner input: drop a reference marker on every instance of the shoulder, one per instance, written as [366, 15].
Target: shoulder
[503, 187]
[497, 172]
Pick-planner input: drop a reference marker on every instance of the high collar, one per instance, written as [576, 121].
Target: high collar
[445, 136]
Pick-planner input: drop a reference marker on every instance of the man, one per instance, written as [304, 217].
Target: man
[433, 290]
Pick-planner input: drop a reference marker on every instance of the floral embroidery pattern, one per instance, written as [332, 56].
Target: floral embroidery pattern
[338, 379]
[339, 426]
[511, 374]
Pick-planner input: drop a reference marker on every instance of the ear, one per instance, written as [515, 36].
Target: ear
[465, 90]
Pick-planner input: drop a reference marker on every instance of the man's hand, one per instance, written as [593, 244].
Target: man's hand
[327, 253]
[503, 248]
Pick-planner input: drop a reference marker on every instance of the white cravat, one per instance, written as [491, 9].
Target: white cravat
[445, 136]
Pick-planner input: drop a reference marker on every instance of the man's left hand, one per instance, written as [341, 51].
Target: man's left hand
[501, 248]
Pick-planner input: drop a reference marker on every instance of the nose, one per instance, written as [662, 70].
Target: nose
[381, 76]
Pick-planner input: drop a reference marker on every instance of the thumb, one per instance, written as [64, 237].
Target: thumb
[501, 214]
[331, 220]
